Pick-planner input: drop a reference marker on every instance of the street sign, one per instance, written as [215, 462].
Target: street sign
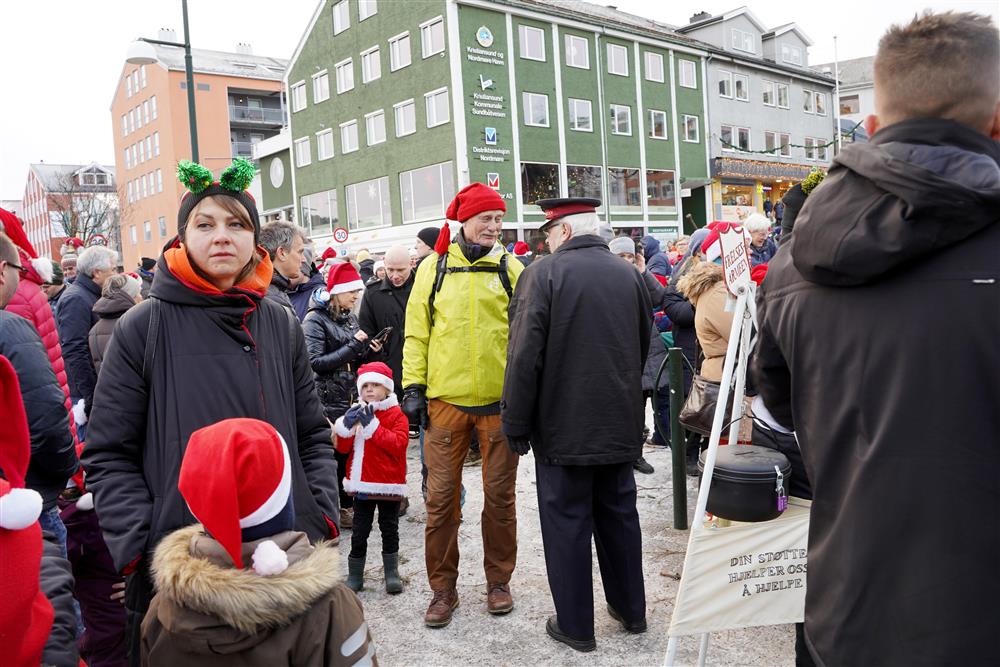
[340, 236]
[98, 240]
[735, 259]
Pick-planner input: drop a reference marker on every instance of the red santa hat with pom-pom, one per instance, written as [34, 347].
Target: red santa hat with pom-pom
[25, 613]
[471, 200]
[342, 278]
[236, 477]
[12, 226]
[376, 372]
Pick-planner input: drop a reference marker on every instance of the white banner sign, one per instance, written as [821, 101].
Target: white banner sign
[744, 575]
[735, 259]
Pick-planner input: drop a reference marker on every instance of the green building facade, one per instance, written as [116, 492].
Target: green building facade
[394, 106]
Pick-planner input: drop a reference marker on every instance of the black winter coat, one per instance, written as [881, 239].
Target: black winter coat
[301, 295]
[898, 430]
[657, 351]
[681, 314]
[53, 454]
[366, 270]
[385, 306]
[575, 356]
[277, 291]
[334, 355]
[108, 310]
[217, 356]
[55, 580]
[74, 319]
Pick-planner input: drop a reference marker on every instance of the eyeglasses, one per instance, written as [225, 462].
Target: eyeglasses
[13, 265]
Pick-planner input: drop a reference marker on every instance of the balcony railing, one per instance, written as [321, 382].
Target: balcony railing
[242, 149]
[256, 115]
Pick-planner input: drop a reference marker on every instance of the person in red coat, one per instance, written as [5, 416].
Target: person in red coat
[375, 432]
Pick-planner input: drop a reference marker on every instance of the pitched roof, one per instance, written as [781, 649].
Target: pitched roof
[225, 63]
[739, 11]
[788, 27]
[53, 177]
[854, 72]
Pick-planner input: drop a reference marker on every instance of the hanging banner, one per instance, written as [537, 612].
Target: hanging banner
[735, 259]
[744, 575]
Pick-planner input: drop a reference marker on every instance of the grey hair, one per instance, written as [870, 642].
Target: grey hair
[279, 234]
[96, 258]
[755, 222]
[121, 283]
[583, 223]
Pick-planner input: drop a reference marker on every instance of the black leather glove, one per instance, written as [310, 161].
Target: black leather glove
[414, 405]
[365, 415]
[519, 444]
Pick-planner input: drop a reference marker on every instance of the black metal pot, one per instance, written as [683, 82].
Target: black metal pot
[749, 483]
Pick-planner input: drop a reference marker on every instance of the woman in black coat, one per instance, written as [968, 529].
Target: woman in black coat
[206, 346]
[337, 346]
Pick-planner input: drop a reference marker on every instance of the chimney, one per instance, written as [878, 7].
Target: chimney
[615, 7]
[700, 16]
[167, 35]
[243, 48]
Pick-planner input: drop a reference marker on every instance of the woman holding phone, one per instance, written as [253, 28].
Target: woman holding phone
[337, 346]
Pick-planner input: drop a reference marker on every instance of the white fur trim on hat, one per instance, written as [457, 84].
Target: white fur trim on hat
[714, 251]
[376, 378]
[20, 508]
[352, 286]
[85, 503]
[43, 267]
[278, 499]
[269, 559]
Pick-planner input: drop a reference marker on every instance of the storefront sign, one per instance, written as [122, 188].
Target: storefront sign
[483, 56]
[728, 167]
[488, 105]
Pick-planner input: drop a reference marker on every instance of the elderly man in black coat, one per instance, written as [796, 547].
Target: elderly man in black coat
[579, 334]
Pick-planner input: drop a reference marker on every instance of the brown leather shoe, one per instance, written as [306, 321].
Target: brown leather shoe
[442, 605]
[498, 599]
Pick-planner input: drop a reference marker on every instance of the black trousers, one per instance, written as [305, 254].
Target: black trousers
[575, 503]
[388, 525]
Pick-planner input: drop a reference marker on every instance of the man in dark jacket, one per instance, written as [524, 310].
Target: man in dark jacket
[384, 305]
[75, 318]
[55, 288]
[899, 437]
[656, 260]
[573, 393]
[146, 271]
[285, 244]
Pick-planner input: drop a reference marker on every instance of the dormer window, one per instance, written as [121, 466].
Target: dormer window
[744, 41]
[791, 54]
[93, 177]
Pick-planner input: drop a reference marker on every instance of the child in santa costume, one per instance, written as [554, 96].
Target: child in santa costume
[244, 587]
[375, 432]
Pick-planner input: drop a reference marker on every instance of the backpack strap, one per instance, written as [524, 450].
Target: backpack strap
[505, 277]
[443, 269]
[152, 332]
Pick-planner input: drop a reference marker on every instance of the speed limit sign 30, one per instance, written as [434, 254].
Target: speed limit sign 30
[340, 235]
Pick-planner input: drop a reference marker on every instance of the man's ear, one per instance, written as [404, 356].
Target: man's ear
[994, 131]
[872, 125]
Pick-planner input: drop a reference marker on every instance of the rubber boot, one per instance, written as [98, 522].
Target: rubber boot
[355, 573]
[393, 584]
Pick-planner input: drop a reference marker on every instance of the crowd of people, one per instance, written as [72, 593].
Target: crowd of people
[185, 445]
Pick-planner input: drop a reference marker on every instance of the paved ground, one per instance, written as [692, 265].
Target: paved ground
[476, 638]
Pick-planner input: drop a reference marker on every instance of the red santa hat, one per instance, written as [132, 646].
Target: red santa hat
[712, 246]
[329, 253]
[521, 249]
[471, 200]
[758, 273]
[25, 613]
[342, 278]
[14, 229]
[376, 372]
[236, 477]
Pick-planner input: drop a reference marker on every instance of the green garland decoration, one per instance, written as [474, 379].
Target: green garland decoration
[193, 176]
[238, 176]
[777, 149]
[814, 178]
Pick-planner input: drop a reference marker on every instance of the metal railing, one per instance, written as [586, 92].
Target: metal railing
[256, 115]
[242, 148]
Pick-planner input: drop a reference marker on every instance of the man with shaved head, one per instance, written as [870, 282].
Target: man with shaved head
[384, 305]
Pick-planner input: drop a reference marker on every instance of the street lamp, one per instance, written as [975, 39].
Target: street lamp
[141, 52]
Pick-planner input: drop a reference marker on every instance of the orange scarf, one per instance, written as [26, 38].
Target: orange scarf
[180, 265]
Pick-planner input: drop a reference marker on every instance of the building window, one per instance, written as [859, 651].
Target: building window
[432, 37]
[152, 106]
[785, 141]
[538, 181]
[577, 52]
[124, 125]
[135, 155]
[321, 87]
[145, 112]
[147, 231]
[689, 76]
[128, 160]
[689, 128]
[341, 17]
[319, 212]
[156, 144]
[399, 51]
[131, 121]
[617, 60]
[735, 138]
[621, 119]
[850, 104]
[657, 124]
[406, 118]
[623, 190]
[149, 147]
[581, 117]
[162, 222]
[584, 181]
[820, 104]
[302, 152]
[142, 75]
[324, 144]
[132, 235]
[791, 54]
[809, 150]
[660, 192]
[767, 93]
[128, 86]
[654, 67]
[371, 65]
[783, 95]
[536, 109]
[770, 141]
[425, 192]
[820, 149]
[138, 116]
[145, 185]
[368, 204]
[298, 96]
[366, 9]
[531, 42]
[349, 136]
[744, 41]
[344, 71]
[741, 87]
[131, 197]
[159, 180]
[808, 101]
[436, 103]
[375, 127]
[725, 83]
[142, 151]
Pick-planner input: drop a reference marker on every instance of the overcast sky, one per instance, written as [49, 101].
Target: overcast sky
[61, 58]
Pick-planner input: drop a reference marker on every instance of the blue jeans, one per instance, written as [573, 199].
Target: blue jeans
[51, 523]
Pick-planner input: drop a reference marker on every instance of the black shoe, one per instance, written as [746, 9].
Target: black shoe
[582, 645]
[635, 628]
[641, 466]
[692, 465]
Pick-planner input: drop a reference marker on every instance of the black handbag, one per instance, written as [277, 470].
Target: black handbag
[698, 410]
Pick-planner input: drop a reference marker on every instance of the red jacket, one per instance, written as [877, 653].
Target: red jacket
[377, 464]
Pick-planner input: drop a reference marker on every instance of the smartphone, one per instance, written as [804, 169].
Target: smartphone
[383, 335]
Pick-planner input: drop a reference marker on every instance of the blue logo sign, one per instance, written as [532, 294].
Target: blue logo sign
[484, 37]
[491, 136]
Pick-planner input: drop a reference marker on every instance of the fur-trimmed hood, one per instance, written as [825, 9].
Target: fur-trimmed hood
[206, 602]
[699, 280]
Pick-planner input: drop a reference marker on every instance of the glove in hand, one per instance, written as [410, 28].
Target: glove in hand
[414, 405]
[352, 416]
[519, 444]
[366, 415]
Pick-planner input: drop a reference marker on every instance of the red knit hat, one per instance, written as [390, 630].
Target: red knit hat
[758, 273]
[342, 278]
[521, 248]
[236, 474]
[471, 200]
[25, 613]
[376, 372]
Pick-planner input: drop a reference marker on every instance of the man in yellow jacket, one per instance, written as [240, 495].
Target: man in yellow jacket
[453, 367]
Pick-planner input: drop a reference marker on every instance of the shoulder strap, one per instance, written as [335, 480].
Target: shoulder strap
[504, 276]
[442, 269]
[152, 331]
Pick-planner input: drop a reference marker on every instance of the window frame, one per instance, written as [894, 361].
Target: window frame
[156, 144]
[744, 35]
[818, 97]
[369, 117]
[697, 128]
[346, 5]
[792, 50]
[297, 152]
[726, 75]
[320, 137]
[394, 66]
[666, 133]
[522, 31]
[775, 145]
[316, 78]
[345, 65]
[820, 145]
[395, 116]
[427, 99]
[568, 50]
[366, 59]
[682, 63]
[624, 51]
[613, 113]
[809, 99]
[526, 107]
[344, 150]
[777, 97]
[368, 4]
[293, 89]
[385, 217]
[162, 225]
[445, 198]
[766, 87]
[427, 26]
[746, 87]
[645, 61]
[571, 108]
[152, 107]
[785, 141]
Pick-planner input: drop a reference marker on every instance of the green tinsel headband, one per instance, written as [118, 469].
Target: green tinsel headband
[814, 178]
[196, 178]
